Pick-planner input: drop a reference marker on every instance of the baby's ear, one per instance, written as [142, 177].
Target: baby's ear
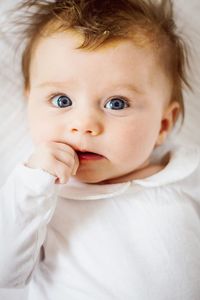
[170, 116]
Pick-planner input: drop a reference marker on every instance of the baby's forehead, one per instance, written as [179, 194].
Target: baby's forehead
[119, 62]
[71, 42]
[68, 45]
[77, 40]
[116, 52]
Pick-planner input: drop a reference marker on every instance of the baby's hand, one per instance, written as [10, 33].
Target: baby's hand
[58, 159]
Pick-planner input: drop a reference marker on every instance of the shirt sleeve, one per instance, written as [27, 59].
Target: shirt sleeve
[27, 203]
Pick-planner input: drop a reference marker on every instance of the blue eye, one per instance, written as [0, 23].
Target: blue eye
[61, 101]
[116, 104]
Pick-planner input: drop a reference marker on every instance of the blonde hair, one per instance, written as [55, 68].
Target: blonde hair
[99, 21]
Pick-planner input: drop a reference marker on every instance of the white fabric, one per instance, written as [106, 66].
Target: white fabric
[15, 142]
[134, 240]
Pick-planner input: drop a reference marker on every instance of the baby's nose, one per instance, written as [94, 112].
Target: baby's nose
[91, 127]
[93, 132]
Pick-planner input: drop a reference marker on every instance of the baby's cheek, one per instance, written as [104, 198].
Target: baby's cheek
[135, 144]
[39, 132]
[49, 132]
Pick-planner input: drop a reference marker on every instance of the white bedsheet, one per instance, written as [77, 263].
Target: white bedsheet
[15, 142]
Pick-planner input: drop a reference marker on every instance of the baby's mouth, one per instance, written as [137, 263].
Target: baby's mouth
[88, 156]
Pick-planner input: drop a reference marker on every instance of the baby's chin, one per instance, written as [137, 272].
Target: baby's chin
[92, 177]
[99, 180]
[89, 179]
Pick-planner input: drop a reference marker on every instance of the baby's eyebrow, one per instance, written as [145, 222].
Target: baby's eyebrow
[51, 83]
[63, 84]
[131, 87]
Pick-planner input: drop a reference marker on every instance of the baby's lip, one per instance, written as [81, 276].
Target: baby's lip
[84, 150]
[80, 152]
[88, 156]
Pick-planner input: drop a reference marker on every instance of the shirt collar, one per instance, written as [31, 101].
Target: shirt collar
[76, 190]
[183, 161]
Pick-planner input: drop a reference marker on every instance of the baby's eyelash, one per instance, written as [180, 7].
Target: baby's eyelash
[53, 95]
[126, 100]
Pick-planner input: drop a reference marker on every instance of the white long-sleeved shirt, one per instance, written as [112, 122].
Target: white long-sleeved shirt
[137, 240]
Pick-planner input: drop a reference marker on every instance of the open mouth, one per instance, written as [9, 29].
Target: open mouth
[88, 155]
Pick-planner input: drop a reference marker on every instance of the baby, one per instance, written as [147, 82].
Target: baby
[103, 209]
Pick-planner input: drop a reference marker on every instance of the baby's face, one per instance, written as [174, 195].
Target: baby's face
[109, 101]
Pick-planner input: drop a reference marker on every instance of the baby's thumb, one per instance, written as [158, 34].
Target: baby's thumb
[76, 164]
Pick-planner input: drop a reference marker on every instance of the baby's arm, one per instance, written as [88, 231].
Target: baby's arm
[27, 203]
